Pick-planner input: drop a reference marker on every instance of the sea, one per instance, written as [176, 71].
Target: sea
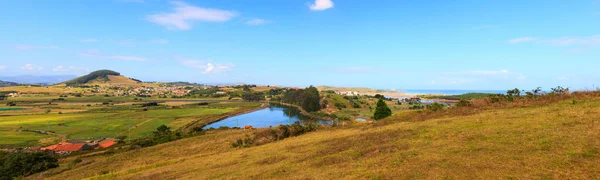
[449, 92]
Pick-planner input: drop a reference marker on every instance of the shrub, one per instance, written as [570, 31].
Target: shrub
[464, 103]
[435, 107]
[11, 104]
[382, 110]
[24, 164]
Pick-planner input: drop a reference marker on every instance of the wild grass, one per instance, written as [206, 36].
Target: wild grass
[554, 138]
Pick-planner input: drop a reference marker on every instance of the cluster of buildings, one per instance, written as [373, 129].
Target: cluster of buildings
[347, 93]
[69, 147]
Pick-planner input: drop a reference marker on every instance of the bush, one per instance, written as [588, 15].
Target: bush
[382, 110]
[435, 107]
[11, 104]
[464, 103]
[24, 164]
[274, 134]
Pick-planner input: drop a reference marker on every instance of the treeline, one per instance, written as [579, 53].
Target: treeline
[307, 98]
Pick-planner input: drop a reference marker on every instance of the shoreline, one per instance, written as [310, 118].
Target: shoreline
[188, 127]
[304, 112]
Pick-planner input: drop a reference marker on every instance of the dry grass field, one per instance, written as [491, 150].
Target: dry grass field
[556, 140]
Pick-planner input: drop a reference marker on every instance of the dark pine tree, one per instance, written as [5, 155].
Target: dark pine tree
[382, 110]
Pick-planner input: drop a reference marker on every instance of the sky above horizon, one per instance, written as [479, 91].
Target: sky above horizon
[401, 44]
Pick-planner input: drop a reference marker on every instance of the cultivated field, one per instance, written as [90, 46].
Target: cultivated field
[87, 120]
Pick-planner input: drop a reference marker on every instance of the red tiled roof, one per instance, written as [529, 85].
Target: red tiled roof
[107, 143]
[69, 147]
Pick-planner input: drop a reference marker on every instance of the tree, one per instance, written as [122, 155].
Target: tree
[382, 110]
[311, 99]
[24, 164]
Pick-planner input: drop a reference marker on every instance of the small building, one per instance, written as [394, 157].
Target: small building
[67, 148]
[106, 143]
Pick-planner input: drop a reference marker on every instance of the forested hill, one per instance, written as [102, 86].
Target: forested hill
[100, 74]
[7, 84]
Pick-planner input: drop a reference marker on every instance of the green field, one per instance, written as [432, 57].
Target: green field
[19, 129]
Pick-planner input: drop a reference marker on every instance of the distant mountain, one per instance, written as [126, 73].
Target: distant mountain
[7, 84]
[29, 79]
[103, 77]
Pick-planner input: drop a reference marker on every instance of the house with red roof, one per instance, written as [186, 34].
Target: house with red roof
[66, 148]
[106, 143]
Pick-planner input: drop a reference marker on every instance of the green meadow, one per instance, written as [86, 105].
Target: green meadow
[27, 127]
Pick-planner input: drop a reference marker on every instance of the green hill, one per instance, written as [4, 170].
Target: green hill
[100, 74]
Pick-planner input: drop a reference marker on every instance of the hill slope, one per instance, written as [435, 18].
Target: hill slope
[560, 140]
[105, 78]
[7, 84]
[96, 75]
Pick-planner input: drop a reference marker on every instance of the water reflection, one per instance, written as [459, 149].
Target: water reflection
[274, 115]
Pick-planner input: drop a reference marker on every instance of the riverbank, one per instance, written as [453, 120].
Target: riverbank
[201, 123]
[304, 112]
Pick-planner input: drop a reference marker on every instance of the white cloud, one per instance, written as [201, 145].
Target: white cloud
[31, 47]
[61, 68]
[93, 53]
[572, 41]
[320, 5]
[207, 67]
[89, 40]
[184, 15]
[257, 21]
[521, 40]
[2, 68]
[561, 41]
[31, 67]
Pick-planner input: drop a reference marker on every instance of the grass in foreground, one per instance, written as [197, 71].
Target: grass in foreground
[556, 141]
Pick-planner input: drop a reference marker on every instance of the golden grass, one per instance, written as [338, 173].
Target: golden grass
[560, 140]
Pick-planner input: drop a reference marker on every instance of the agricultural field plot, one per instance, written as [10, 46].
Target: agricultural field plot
[79, 121]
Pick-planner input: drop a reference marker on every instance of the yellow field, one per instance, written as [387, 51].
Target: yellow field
[556, 141]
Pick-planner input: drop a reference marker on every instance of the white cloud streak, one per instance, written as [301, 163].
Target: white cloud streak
[207, 67]
[89, 40]
[31, 67]
[61, 68]
[184, 15]
[320, 5]
[593, 40]
[96, 54]
[256, 22]
[31, 47]
[521, 40]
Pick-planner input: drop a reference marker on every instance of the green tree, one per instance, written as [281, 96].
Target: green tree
[382, 110]
[311, 99]
[24, 164]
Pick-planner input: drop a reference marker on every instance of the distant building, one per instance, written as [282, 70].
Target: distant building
[67, 148]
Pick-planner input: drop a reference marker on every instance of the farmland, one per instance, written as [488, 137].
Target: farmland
[88, 120]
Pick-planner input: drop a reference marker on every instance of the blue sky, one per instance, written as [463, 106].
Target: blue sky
[479, 45]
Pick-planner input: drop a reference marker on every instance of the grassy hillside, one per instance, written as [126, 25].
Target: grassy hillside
[559, 140]
[100, 74]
